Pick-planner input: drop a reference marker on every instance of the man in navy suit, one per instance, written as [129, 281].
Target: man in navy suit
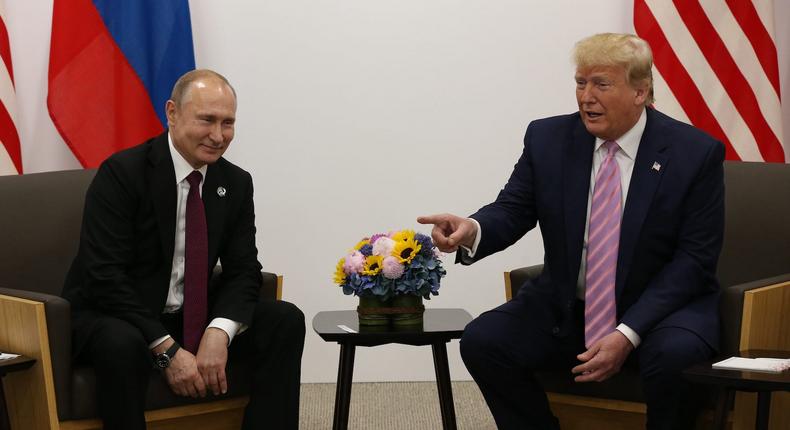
[663, 289]
[128, 284]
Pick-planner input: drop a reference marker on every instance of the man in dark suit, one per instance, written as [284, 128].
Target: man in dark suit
[158, 217]
[630, 207]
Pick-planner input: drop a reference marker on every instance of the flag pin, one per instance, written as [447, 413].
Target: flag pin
[656, 166]
[221, 191]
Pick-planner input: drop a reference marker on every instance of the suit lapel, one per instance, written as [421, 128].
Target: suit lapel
[215, 195]
[649, 167]
[162, 188]
[577, 166]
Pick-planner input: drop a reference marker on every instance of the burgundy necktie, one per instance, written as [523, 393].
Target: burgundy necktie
[602, 245]
[195, 266]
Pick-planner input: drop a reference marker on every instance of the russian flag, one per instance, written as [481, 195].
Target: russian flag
[112, 65]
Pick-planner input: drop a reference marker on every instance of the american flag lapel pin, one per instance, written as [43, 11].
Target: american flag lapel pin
[656, 166]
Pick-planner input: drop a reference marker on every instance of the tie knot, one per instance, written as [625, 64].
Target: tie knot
[194, 178]
[611, 146]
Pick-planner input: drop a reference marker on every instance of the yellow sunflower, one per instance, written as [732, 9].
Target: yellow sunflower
[406, 249]
[340, 275]
[362, 243]
[372, 265]
[403, 236]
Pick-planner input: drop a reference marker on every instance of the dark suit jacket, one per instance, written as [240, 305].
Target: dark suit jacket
[670, 236]
[125, 255]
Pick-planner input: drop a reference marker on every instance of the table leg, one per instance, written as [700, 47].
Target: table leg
[723, 408]
[345, 373]
[443, 384]
[763, 410]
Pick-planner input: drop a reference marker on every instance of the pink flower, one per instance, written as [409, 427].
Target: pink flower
[392, 268]
[383, 246]
[354, 263]
[376, 237]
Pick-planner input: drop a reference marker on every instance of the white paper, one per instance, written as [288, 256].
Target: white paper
[772, 365]
[4, 356]
[346, 328]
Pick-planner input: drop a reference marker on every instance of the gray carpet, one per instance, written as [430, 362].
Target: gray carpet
[394, 405]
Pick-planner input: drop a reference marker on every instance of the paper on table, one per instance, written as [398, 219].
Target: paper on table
[4, 356]
[772, 365]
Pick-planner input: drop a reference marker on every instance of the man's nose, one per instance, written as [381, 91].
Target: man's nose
[586, 94]
[216, 133]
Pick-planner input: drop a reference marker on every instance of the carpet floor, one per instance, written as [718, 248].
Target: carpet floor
[394, 405]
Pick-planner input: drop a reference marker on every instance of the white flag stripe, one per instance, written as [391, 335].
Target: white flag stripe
[6, 164]
[7, 94]
[714, 94]
[746, 59]
[765, 10]
[665, 100]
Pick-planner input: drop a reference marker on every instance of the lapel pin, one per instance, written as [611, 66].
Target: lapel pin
[656, 166]
[221, 191]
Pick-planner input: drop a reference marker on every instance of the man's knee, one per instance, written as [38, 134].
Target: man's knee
[285, 316]
[119, 345]
[477, 344]
[667, 351]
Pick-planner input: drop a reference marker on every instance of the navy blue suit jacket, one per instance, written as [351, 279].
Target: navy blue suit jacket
[670, 236]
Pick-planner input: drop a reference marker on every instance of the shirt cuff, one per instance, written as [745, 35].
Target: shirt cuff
[630, 334]
[232, 328]
[471, 252]
[157, 342]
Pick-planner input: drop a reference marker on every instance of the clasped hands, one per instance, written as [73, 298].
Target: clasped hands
[192, 375]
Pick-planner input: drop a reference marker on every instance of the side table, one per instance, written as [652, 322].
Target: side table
[439, 327]
[737, 380]
[8, 366]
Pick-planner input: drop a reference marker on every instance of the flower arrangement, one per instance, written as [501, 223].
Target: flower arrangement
[389, 265]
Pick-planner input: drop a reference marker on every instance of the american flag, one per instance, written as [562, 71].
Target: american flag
[717, 68]
[10, 153]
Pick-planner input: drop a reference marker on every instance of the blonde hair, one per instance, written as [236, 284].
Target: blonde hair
[623, 50]
[182, 84]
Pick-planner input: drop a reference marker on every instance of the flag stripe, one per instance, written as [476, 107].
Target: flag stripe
[677, 78]
[10, 139]
[732, 79]
[5, 47]
[156, 41]
[761, 41]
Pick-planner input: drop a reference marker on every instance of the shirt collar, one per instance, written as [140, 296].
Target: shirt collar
[181, 166]
[629, 142]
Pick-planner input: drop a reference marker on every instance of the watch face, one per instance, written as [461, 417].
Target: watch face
[162, 361]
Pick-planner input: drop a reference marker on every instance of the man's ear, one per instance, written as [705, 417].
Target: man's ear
[641, 94]
[170, 112]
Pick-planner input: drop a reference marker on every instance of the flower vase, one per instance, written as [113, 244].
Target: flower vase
[372, 311]
[407, 310]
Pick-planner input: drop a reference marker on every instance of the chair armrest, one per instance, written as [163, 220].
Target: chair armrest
[272, 286]
[731, 310]
[39, 326]
[516, 278]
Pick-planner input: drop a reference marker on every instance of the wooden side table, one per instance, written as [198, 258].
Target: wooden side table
[736, 380]
[8, 366]
[439, 327]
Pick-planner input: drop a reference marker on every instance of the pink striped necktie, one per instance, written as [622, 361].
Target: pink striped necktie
[602, 245]
[195, 266]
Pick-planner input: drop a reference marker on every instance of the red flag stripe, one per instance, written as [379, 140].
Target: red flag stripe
[5, 49]
[680, 83]
[9, 138]
[733, 81]
[761, 41]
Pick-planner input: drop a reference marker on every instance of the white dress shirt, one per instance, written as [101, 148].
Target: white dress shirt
[625, 157]
[175, 294]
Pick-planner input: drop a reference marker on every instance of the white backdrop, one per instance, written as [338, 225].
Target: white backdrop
[356, 116]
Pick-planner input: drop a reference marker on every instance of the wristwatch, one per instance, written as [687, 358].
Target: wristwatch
[162, 361]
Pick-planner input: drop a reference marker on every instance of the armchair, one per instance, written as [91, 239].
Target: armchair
[754, 272]
[41, 216]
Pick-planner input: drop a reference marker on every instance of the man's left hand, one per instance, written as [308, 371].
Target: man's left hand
[604, 358]
[212, 356]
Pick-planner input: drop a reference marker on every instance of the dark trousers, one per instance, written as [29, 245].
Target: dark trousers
[503, 348]
[272, 344]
